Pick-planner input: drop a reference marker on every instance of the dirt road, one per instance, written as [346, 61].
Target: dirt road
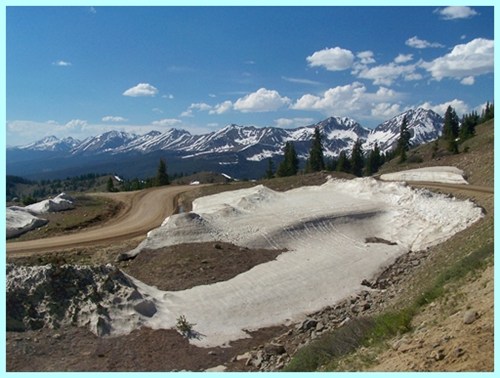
[142, 211]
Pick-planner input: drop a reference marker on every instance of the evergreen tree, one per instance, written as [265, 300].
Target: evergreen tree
[110, 187]
[316, 160]
[343, 164]
[161, 175]
[468, 125]
[357, 159]
[450, 129]
[488, 112]
[403, 144]
[374, 161]
[290, 165]
[270, 169]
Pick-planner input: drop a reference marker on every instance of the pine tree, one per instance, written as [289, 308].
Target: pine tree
[404, 140]
[161, 175]
[110, 187]
[290, 165]
[316, 160]
[374, 161]
[450, 129]
[270, 169]
[357, 159]
[343, 164]
[468, 125]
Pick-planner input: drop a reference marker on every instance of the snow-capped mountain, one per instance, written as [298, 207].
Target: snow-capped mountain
[230, 145]
[424, 126]
[52, 143]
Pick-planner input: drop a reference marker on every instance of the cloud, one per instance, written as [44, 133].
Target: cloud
[365, 57]
[385, 110]
[61, 63]
[403, 58]
[168, 96]
[418, 43]
[459, 106]
[221, 108]
[167, 122]
[469, 80]
[198, 106]
[454, 13]
[263, 100]
[464, 61]
[387, 74]
[293, 122]
[333, 59]
[141, 90]
[352, 100]
[300, 81]
[113, 119]
[92, 10]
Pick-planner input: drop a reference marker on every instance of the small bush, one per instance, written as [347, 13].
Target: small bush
[184, 327]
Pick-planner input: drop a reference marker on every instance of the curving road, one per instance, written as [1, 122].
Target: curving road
[142, 211]
[145, 210]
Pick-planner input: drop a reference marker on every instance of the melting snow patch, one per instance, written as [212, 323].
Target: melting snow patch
[325, 229]
[447, 175]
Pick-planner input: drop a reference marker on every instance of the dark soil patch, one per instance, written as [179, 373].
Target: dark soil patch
[77, 349]
[184, 266]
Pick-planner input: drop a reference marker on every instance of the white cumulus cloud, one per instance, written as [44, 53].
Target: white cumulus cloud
[403, 58]
[222, 108]
[464, 61]
[263, 100]
[418, 43]
[352, 100]
[141, 90]
[453, 13]
[459, 106]
[333, 59]
[386, 74]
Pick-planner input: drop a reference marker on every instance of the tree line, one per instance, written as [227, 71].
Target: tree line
[366, 163]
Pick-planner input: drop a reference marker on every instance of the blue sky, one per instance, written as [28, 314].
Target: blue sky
[80, 71]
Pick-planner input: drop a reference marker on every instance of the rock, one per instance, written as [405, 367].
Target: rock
[438, 355]
[320, 327]
[274, 349]
[146, 308]
[307, 325]
[102, 327]
[135, 295]
[470, 316]
[244, 356]
[458, 352]
[218, 368]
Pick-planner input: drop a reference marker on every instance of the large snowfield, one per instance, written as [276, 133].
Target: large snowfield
[325, 230]
[336, 235]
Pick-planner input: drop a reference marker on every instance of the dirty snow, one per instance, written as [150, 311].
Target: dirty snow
[23, 219]
[19, 221]
[447, 175]
[323, 227]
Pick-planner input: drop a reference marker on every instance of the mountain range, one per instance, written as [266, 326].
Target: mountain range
[234, 148]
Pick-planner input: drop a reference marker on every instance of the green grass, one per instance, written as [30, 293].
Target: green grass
[327, 350]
